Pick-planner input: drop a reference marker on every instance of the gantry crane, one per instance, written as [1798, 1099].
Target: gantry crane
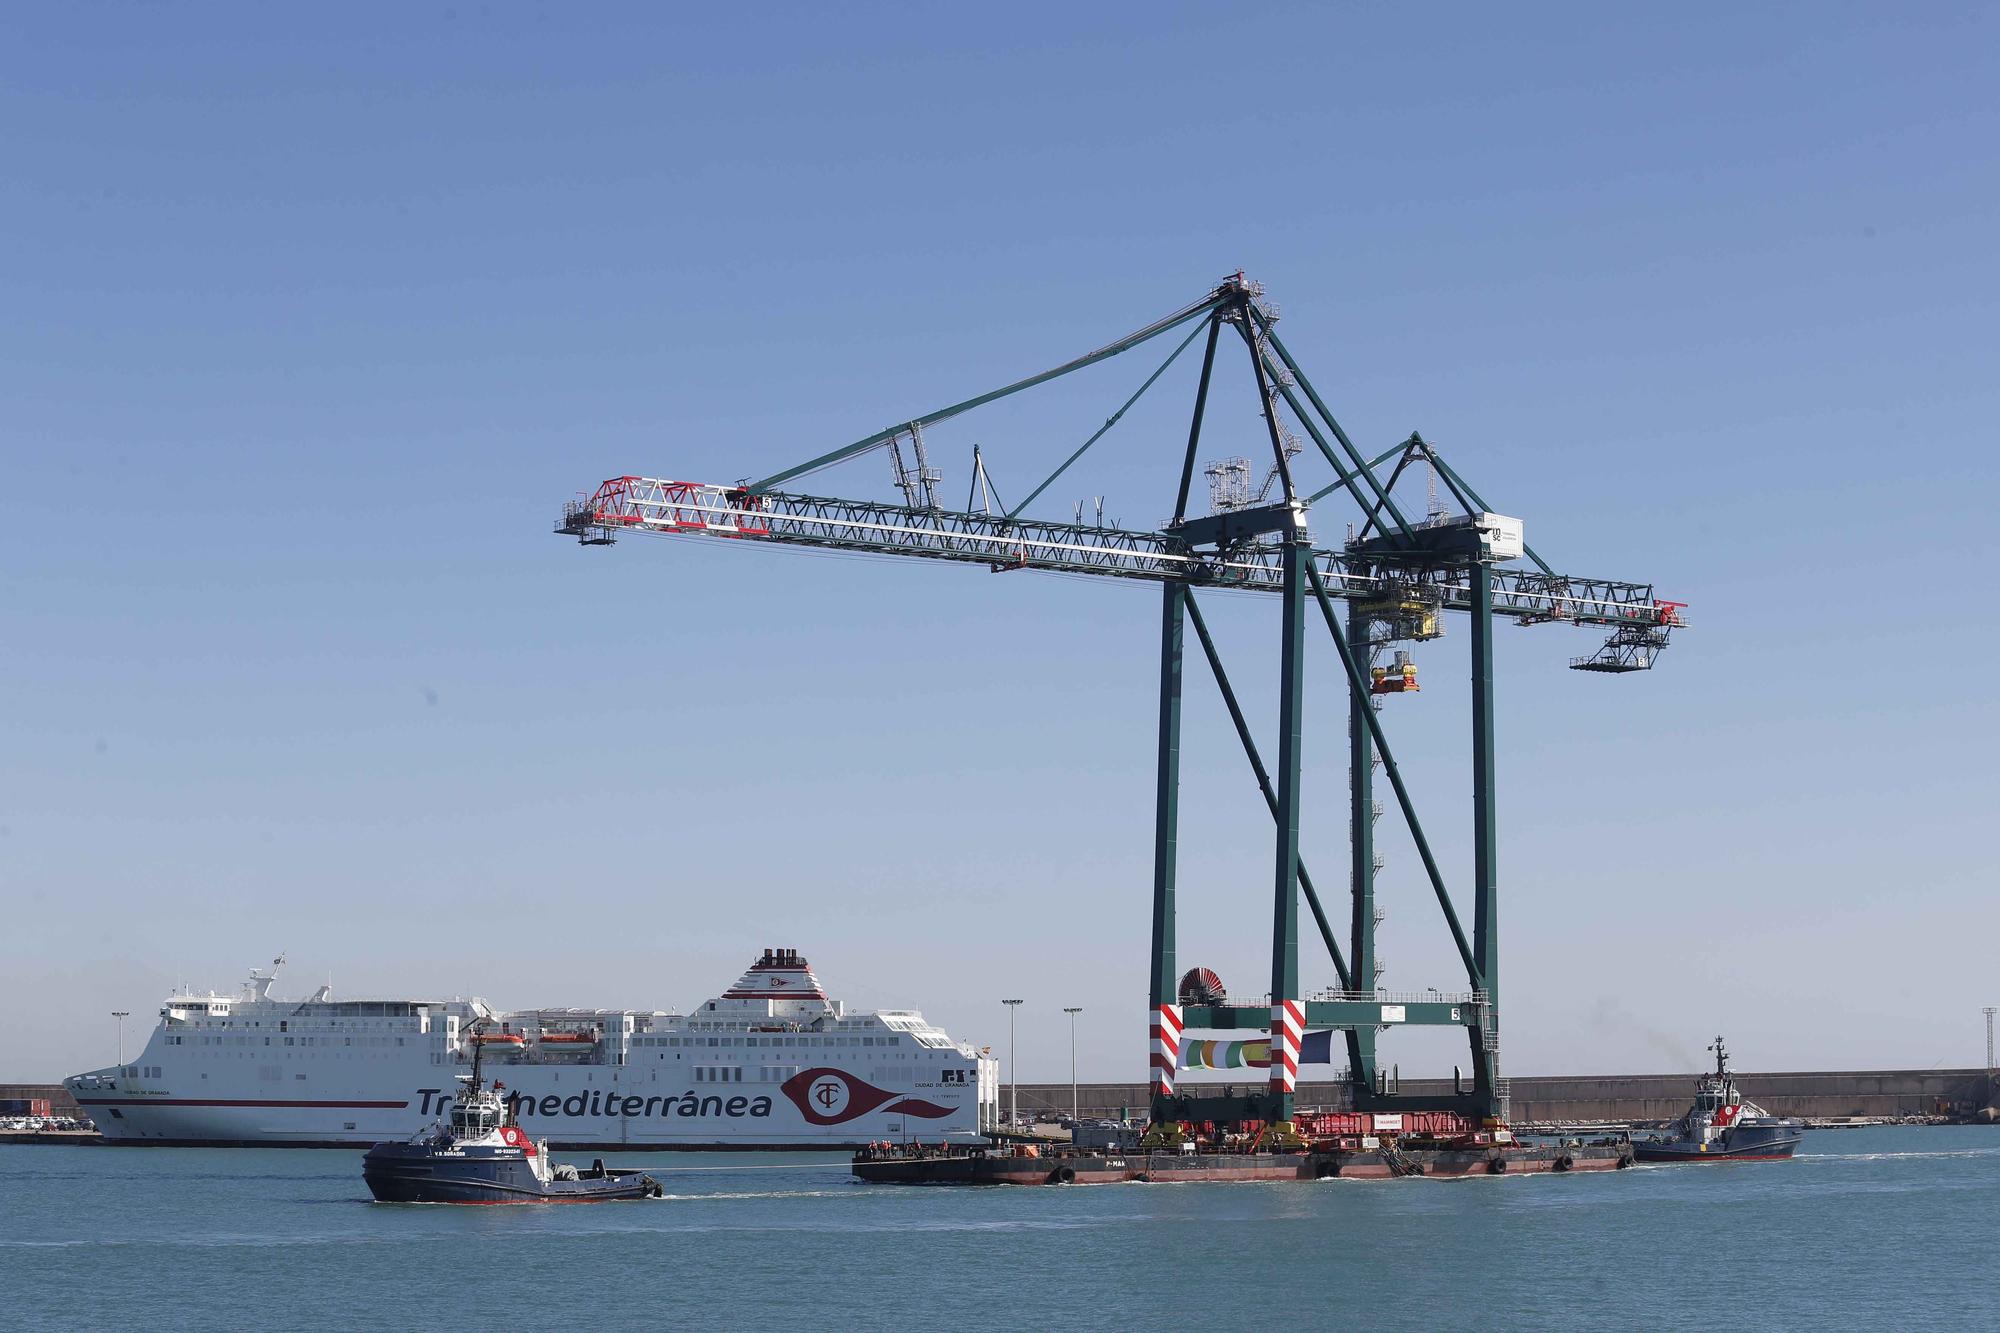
[1395, 576]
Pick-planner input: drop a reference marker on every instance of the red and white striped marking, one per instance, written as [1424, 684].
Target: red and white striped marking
[1288, 1025]
[1166, 1046]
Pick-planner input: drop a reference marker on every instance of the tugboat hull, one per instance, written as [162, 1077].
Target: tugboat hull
[1759, 1143]
[404, 1173]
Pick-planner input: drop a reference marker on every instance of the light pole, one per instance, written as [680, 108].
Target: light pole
[121, 1015]
[1072, 1011]
[1013, 1067]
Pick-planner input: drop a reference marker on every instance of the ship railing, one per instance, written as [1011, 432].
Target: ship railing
[1466, 997]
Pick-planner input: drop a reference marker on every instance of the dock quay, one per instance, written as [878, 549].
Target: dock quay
[72, 1138]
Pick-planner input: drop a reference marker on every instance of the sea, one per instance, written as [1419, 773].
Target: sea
[1887, 1228]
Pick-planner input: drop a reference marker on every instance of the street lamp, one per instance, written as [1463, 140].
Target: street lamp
[1072, 1011]
[1013, 1067]
[121, 1015]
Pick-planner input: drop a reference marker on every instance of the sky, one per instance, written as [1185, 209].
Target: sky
[316, 317]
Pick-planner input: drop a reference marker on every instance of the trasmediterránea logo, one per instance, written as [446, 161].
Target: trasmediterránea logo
[613, 1103]
[828, 1096]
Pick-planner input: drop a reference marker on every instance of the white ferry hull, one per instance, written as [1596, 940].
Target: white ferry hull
[769, 1064]
[573, 1108]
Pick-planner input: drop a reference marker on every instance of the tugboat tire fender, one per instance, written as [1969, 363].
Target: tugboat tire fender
[1065, 1175]
[1496, 1165]
[1624, 1160]
[1564, 1162]
[1325, 1170]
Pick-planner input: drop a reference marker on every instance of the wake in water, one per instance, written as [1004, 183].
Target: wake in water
[1897, 1156]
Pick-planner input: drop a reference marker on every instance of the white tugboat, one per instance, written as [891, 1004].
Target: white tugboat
[1722, 1127]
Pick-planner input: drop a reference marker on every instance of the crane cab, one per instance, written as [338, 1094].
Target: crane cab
[1400, 678]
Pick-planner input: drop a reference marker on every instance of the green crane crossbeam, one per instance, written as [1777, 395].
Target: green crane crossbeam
[654, 506]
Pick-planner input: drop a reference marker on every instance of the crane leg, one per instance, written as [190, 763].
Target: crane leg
[1485, 848]
[1164, 1020]
[1287, 1005]
[1361, 838]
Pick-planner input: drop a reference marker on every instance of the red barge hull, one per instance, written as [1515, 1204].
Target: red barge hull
[1114, 1168]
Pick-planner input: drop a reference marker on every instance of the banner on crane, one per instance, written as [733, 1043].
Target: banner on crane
[1315, 1049]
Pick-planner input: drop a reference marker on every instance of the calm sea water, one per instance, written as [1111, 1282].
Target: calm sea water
[1885, 1228]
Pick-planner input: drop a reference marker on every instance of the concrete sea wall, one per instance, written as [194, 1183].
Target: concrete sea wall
[1825, 1094]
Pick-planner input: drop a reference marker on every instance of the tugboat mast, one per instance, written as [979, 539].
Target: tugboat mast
[476, 1030]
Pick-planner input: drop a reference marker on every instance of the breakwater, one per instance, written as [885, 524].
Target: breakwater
[1816, 1094]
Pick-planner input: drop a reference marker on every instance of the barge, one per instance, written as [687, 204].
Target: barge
[1019, 1167]
[1314, 1146]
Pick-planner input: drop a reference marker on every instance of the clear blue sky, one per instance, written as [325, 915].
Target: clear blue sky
[315, 318]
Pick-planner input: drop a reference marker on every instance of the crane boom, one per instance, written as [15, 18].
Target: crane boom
[679, 508]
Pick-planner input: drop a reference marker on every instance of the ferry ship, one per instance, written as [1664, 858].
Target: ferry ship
[770, 1063]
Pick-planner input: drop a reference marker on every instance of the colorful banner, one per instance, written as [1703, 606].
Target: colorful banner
[1316, 1048]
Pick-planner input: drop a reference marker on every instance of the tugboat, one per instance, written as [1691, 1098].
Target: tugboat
[1722, 1127]
[476, 1153]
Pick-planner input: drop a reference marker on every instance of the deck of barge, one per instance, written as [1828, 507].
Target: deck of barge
[977, 1167]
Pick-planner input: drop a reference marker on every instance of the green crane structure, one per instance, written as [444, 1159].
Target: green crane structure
[1390, 581]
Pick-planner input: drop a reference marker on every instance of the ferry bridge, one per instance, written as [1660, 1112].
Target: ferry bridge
[1391, 582]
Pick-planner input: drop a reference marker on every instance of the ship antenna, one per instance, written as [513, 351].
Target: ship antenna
[478, 1049]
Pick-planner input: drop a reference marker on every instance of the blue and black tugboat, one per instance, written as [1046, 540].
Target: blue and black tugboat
[474, 1152]
[1722, 1127]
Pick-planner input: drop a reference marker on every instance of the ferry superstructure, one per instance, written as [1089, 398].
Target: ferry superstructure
[772, 1062]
